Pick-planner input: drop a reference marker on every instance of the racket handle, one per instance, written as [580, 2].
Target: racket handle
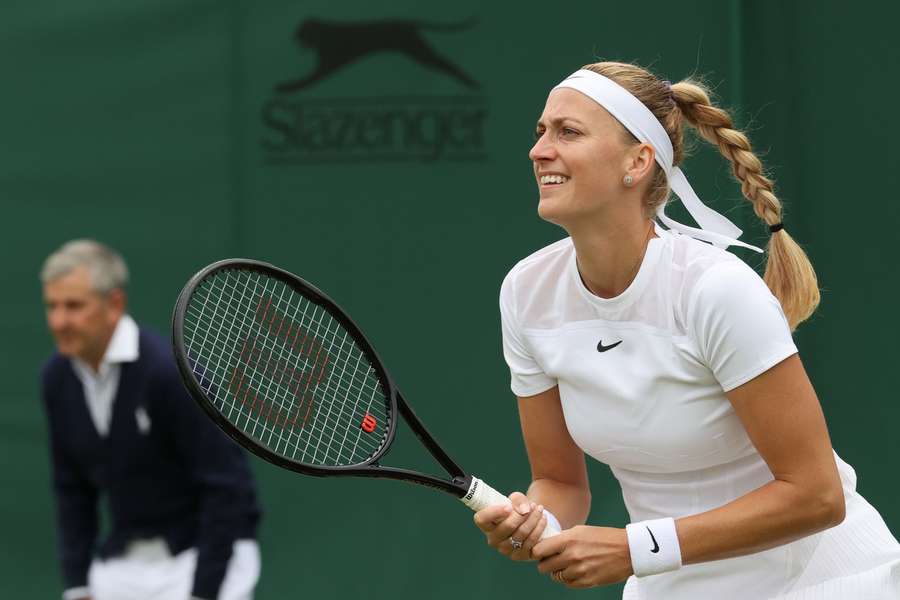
[481, 495]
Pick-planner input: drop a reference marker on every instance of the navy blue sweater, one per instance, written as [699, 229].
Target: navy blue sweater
[183, 480]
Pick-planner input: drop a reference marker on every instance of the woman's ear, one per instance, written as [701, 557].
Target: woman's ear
[639, 163]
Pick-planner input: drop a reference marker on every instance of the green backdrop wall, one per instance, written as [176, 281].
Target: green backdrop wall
[403, 189]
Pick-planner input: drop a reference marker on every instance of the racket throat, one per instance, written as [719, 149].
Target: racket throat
[418, 428]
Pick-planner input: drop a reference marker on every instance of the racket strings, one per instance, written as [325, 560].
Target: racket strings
[342, 357]
[340, 354]
[344, 411]
[318, 445]
[348, 350]
[306, 449]
[284, 370]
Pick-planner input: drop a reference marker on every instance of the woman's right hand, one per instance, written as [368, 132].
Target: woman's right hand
[523, 521]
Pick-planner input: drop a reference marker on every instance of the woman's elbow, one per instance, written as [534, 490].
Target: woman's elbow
[838, 508]
[830, 507]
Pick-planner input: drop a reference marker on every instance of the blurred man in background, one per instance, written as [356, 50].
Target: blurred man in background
[181, 499]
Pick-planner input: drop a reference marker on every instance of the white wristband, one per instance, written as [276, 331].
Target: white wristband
[653, 546]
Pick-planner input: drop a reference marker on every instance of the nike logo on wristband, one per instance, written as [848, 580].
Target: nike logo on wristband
[655, 547]
[602, 348]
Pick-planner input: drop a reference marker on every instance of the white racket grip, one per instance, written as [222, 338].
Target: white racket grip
[481, 495]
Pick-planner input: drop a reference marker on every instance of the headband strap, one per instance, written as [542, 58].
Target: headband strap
[637, 118]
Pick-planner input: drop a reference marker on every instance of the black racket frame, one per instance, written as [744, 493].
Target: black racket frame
[459, 482]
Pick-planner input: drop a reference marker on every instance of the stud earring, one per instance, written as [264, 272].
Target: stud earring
[628, 180]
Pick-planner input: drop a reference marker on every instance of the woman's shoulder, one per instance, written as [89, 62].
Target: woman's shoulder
[695, 263]
[694, 256]
[528, 280]
[705, 275]
[549, 259]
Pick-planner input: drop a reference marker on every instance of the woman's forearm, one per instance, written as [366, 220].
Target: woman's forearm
[782, 416]
[569, 503]
[774, 514]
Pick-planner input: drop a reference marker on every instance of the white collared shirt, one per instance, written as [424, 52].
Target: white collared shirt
[100, 386]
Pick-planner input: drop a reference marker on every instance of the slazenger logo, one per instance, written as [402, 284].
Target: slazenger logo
[339, 44]
[303, 129]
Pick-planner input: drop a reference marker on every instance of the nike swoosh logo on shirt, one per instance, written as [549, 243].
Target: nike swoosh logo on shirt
[655, 547]
[602, 348]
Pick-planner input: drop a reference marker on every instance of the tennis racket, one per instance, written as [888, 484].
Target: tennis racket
[288, 375]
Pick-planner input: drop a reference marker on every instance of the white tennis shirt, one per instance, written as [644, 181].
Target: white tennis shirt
[642, 380]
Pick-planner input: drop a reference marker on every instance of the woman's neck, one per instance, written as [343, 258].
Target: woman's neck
[610, 257]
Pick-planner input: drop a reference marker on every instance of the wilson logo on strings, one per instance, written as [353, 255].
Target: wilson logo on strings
[273, 357]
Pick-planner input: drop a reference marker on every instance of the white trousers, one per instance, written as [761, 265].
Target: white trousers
[147, 571]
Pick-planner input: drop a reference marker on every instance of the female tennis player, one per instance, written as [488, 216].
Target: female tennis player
[659, 353]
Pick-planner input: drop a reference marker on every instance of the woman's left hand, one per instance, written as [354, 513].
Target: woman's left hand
[583, 556]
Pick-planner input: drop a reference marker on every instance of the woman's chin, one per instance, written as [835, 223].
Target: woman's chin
[552, 211]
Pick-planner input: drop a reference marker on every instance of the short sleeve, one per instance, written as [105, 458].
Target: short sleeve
[738, 324]
[527, 378]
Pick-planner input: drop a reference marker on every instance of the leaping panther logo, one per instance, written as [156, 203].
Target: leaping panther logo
[339, 44]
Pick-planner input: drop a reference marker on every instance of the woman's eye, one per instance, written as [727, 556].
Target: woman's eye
[569, 131]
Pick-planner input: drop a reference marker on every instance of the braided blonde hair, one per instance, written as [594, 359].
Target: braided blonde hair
[789, 274]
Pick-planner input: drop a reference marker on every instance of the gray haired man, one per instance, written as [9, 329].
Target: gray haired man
[182, 502]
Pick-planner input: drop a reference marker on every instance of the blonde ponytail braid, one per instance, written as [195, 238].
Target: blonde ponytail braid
[789, 273]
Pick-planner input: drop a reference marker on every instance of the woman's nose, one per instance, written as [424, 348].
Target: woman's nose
[543, 149]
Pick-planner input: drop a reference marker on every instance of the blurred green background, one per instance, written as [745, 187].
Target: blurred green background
[149, 126]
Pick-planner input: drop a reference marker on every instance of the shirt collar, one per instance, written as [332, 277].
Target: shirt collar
[123, 345]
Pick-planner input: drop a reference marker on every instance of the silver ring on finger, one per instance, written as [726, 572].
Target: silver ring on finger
[516, 544]
[559, 576]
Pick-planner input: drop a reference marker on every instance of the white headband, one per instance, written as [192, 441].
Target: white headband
[638, 119]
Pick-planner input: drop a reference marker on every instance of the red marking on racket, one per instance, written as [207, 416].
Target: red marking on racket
[322, 370]
[309, 406]
[297, 378]
[293, 342]
[302, 342]
[280, 325]
[316, 364]
[368, 423]
[266, 311]
[240, 384]
[258, 307]
[267, 368]
[306, 377]
[238, 368]
[269, 412]
[264, 359]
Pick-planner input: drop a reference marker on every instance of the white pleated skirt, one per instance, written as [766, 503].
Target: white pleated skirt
[856, 560]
